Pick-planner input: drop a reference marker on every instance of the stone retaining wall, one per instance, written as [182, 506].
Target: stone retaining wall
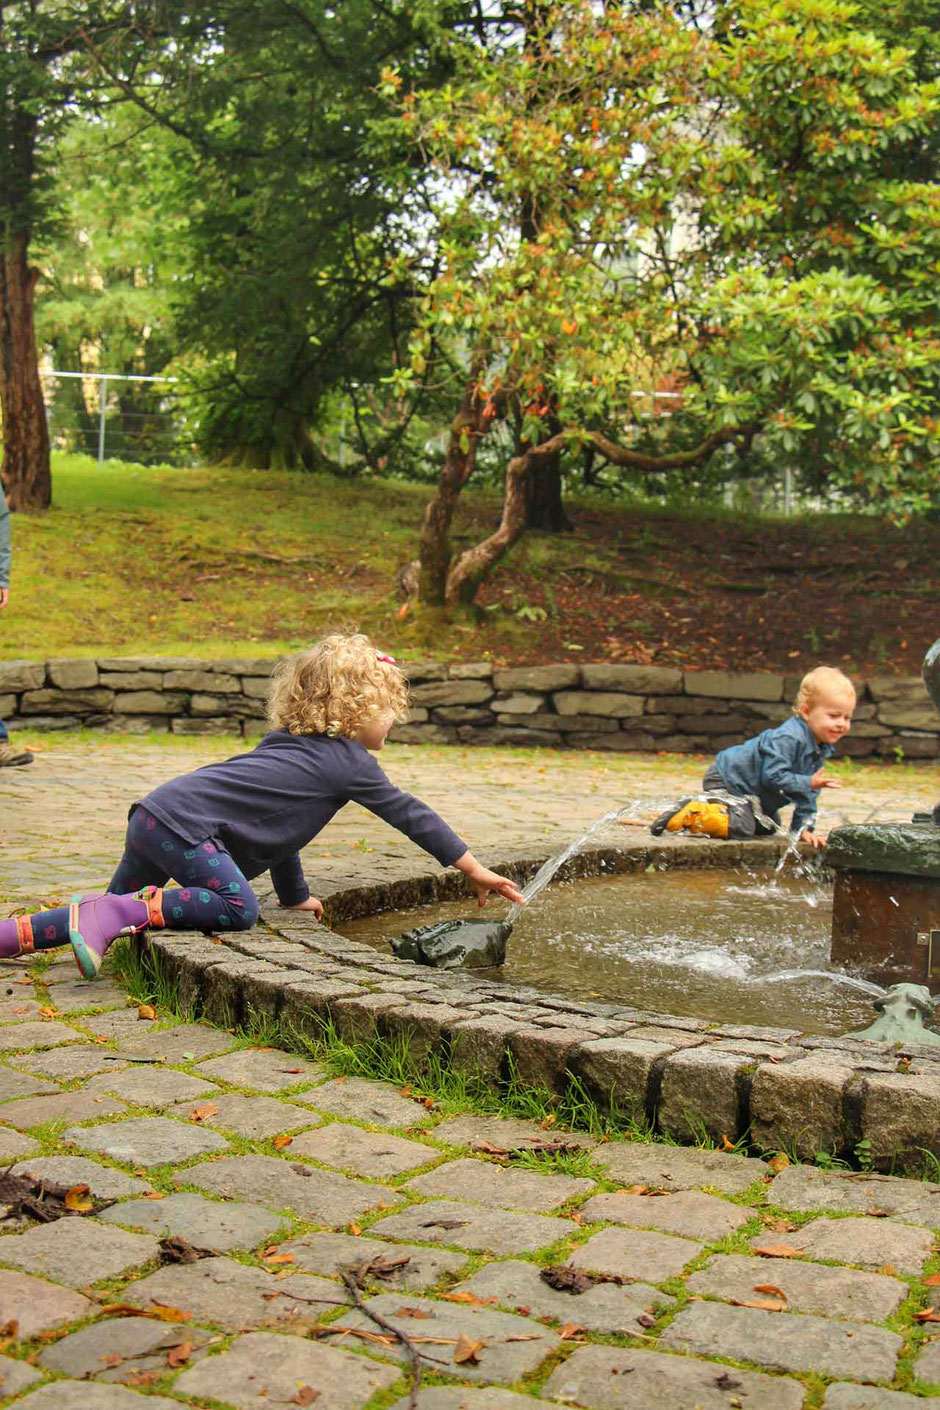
[623, 708]
[777, 1089]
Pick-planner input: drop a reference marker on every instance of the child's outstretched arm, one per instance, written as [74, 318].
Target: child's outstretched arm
[484, 881]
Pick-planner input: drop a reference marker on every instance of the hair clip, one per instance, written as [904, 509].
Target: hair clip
[381, 656]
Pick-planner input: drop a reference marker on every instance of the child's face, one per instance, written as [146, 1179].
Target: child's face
[830, 715]
[372, 734]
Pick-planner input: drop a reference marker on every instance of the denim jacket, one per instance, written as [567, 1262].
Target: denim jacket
[776, 766]
[6, 556]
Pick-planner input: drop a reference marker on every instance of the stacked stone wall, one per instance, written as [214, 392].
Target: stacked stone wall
[644, 709]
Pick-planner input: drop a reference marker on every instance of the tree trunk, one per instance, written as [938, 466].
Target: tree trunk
[475, 563]
[470, 423]
[27, 474]
[543, 504]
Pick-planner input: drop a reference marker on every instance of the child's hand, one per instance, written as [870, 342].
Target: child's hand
[812, 839]
[311, 904]
[821, 779]
[484, 881]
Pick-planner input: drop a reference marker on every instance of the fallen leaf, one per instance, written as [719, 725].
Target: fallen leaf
[203, 1111]
[353, 1229]
[571, 1330]
[470, 1298]
[111, 1358]
[47, 1011]
[153, 1194]
[282, 1142]
[776, 1251]
[405, 1091]
[146, 1011]
[305, 1395]
[877, 1213]
[766, 1304]
[564, 1279]
[646, 1319]
[933, 1281]
[779, 1162]
[725, 1144]
[160, 1311]
[178, 1355]
[548, 1123]
[929, 1314]
[21, 1008]
[279, 1258]
[79, 1198]
[418, 1312]
[175, 1249]
[465, 1352]
[772, 1289]
[292, 1070]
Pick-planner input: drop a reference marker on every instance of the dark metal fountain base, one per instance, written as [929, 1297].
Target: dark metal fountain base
[886, 904]
[456, 944]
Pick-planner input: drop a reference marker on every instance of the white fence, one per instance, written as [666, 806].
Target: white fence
[116, 415]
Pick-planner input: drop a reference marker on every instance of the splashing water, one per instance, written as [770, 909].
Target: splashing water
[548, 869]
[835, 975]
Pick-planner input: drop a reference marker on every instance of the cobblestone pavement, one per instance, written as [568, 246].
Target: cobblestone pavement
[679, 1278]
[62, 819]
[219, 1189]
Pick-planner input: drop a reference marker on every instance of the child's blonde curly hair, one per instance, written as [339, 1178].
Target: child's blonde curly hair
[822, 680]
[335, 687]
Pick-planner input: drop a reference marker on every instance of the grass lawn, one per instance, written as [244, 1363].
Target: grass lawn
[217, 562]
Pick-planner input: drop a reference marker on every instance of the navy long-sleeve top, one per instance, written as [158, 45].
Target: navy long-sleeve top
[776, 766]
[265, 806]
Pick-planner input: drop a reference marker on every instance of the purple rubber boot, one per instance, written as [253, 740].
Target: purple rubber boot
[97, 919]
[16, 938]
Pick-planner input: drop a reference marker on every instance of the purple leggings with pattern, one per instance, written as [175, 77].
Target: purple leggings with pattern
[214, 894]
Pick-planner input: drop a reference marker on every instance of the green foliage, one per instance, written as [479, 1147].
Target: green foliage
[629, 207]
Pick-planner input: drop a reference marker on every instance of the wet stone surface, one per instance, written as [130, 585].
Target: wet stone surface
[481, 1182]
[122, 1349]
[320, 1195]
[367, 1153]
[604, 1308]
[207, 1224]
[146, 1140]
[787, 1343]
[264, 1369]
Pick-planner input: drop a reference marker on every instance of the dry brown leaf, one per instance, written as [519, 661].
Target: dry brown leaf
[466, 1351]
[203, 1111]
[154, 1194]
[405, 1091]
[282, 1142]
[353, 1229]
[933, 1281]
[571, 1330]
[47, 1011]
[725, 1144]
[418, 1312]
[772, 1289]
[576, 1216]
[470, 1298]
[178, 1355]
[779, 1162]
[146, 1011]
[776, 1250]
[548, 1123]
[79, 1198]
[160, 1311]
[766, 1304]
[279, 1258]
[305, 1395]
[928, 1314]
[111, 1358]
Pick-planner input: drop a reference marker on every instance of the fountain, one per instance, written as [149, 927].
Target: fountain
[886, 904]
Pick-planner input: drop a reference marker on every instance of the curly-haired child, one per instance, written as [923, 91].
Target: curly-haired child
[217, 828]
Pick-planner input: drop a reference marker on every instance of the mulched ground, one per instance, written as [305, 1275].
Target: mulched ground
[744, 595]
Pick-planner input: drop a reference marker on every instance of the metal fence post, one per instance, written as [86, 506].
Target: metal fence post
[101, 415]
